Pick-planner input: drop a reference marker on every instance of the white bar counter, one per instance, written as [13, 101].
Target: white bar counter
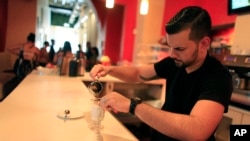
[30, 112]
[109, 78]
[109, 82]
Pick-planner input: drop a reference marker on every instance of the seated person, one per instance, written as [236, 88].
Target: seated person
[44, 55]
[62, 58]
[27, 51]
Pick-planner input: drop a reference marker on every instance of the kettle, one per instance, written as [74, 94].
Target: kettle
[80, 67]
[73, 67]
[76, 67]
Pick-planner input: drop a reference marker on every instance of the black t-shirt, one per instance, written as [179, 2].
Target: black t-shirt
[212, 81]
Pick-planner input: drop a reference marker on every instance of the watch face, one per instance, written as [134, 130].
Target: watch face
[138, 100]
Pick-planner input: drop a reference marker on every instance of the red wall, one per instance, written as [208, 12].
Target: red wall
[129, 26]
[113, 25]
[119, 24]
[21, 20]
[3, 23]
[101, 10]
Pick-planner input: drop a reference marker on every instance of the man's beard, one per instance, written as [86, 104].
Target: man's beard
[180, 63]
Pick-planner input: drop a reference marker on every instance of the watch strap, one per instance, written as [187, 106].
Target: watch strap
[133, 104]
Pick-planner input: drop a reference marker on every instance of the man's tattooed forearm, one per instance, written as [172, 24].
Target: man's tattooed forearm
[147, 79]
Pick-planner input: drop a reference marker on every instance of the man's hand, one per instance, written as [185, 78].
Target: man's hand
[115, 102]
[99, 71]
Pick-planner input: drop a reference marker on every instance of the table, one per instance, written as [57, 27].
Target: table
[30, 112]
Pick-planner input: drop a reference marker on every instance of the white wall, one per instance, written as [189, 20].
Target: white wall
[241, 37]
[43, 22]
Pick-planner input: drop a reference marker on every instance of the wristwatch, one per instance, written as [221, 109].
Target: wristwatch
[133, 103]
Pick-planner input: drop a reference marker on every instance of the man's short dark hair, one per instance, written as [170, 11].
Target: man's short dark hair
[193, 17]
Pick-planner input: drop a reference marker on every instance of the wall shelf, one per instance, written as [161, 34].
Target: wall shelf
[222, 27]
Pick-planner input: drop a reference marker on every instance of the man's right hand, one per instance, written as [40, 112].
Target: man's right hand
[99, 71]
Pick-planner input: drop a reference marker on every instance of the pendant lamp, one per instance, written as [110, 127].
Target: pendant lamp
[144, 7]
[110, 3]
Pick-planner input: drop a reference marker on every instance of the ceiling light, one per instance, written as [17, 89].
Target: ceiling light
[144, 7]
[110, 3]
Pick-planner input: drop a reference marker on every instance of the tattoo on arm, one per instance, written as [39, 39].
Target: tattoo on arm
[147, 79]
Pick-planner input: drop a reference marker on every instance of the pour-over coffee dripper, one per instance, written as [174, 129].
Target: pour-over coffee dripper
[97, 113]
[96, 88]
